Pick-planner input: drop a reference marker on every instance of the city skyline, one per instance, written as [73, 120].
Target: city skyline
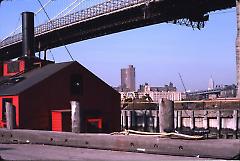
[158, 52]
[126, 76]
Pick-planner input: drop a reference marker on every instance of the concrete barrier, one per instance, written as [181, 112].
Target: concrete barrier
[213, 148]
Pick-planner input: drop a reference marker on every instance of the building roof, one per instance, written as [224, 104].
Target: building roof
[21, 83]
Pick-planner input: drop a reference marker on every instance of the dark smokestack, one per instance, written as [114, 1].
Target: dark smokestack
[28, 34]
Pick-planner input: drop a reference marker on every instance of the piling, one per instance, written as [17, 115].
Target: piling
[124, 119]
[133, 119]
[235, 120]
[166, 115]
[235, 124]
[179, 119]
[129, 119]
[205, 120]
[76, 120]
[155, 120]
[192, 120]
[144, 123]
[219, 120]
[10, 116]
[175, 119]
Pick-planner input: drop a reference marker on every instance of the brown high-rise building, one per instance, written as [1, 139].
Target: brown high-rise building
[128, 78]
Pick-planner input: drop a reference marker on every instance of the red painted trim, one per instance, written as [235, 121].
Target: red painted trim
[21, 68]
[57, 121]
[22, 65]
[96, 120]
[15, 103]
[1, 69]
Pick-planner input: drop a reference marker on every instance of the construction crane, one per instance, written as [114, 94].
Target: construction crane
[182, 82]
[185, 90]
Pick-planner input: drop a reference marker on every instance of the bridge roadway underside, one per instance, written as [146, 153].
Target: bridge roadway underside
[125, 19]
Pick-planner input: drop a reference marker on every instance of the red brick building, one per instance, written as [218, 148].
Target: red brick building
[46, 91]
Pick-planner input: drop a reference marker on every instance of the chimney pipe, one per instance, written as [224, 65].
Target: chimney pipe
[28, 34]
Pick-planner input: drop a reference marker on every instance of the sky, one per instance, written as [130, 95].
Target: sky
[158, 52]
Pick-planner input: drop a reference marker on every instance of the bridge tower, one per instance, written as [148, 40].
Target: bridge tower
[238, 48]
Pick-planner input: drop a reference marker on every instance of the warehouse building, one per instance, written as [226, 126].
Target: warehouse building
[42, 95]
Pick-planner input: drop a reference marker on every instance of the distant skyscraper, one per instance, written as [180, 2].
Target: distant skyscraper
[210, 84]
[128, 78]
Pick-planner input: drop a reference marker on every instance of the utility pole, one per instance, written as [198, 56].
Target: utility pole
[238, 48]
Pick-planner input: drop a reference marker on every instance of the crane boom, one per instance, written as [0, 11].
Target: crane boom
[182, 82]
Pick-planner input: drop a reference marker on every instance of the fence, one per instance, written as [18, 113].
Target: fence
[219, 123]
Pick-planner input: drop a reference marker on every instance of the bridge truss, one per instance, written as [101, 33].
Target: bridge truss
[113, 16]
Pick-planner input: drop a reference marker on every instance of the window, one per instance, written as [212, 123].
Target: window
[94, 125]
[76, 84]
[13, 67]
[4, 100]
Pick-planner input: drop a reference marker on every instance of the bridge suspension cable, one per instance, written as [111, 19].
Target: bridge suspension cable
[74, 7]
[57, 32]
[45, 5]
[35, 13]
[64, 9]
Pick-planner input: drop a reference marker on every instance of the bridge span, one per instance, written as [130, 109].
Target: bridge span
[114, 16]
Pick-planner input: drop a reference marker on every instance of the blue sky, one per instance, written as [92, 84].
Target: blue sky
[158, 52]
